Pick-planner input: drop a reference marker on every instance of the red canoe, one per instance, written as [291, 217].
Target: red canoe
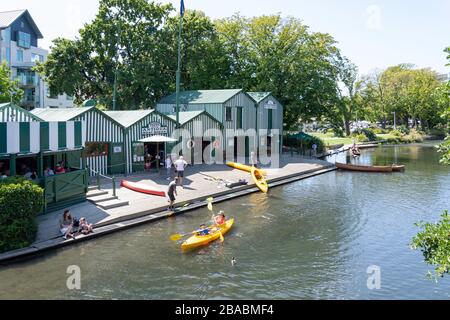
[139, 187]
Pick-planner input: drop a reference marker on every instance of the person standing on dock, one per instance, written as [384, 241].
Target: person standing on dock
[168, 167]
[180, 165]
[253, 160]
[171, 193]
[314, 149]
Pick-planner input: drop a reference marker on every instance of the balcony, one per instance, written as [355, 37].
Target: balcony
[27, 80]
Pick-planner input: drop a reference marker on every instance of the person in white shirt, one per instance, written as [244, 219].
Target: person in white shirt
[180, 165]
[48, 172]
[253, 160]
[168, 167]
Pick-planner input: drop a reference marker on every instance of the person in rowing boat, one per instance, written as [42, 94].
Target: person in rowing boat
[355, 149]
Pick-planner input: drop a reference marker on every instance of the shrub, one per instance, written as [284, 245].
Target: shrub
[20, 202]
[396, 133]
[361, 138]
[444, 149]
[413, 136]
[368, 133]
[380, 131]
[403, 129]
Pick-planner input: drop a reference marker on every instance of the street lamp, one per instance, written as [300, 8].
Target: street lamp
[395, 120]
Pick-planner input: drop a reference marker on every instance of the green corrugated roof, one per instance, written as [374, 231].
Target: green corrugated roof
[186, 116]
[202, 96]
[258, 96]
[128, 118]
[59, 114]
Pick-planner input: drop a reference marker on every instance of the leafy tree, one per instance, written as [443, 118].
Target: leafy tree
[348, 103]
[9, 89]
[269, 53]
[434, 242]
[124, 36]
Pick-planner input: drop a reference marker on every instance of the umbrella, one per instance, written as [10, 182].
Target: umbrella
[158, 139]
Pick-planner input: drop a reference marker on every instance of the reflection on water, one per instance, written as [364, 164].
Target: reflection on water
[312, 239]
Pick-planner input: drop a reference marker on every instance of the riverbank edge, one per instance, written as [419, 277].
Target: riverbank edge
[153, 215]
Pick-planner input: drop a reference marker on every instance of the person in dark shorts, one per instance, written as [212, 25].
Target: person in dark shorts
[172, 192]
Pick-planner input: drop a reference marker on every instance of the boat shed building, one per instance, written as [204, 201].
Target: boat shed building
[102, 135]
[269, 116]
[9, 112]
[29, 145]
[233, 108]
[201, 128]
[137, 125]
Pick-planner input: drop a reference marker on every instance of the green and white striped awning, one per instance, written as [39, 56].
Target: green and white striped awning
[34, 137]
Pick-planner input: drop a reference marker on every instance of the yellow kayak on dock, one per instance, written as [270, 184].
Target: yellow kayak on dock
[244, 167]
[199, 241]
[258, 175]
[259, 180]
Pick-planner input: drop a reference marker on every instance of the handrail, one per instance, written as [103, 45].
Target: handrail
[98, 175]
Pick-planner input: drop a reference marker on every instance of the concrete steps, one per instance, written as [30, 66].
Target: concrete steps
[96, 193]
[116, 203]
[102, 198]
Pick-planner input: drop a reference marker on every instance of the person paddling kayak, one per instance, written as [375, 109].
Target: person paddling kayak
[220, 218]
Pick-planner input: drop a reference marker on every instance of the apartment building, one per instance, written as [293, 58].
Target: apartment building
[19, 36]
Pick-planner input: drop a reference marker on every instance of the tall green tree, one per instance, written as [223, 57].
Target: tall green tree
[408, 92]
[9, 89]
[281, 55]
[125, 37]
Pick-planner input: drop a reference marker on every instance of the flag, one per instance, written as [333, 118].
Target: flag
[182, 8]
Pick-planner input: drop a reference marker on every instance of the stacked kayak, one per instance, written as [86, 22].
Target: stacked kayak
[259, 180]
[142, 188]
[198, 241]
[257, 175]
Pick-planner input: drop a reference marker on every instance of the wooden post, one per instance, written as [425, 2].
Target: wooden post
[12, 165]
[40, 165]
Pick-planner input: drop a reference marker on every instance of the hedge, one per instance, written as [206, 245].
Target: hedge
[20, 202]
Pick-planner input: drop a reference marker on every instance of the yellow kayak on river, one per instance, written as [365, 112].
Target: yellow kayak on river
[198, 240]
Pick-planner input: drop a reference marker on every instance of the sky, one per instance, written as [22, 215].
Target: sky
[372, 34]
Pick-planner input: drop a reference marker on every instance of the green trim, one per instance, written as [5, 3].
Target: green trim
[78, 134]
[45, 136]
[3, 138]
[270, 119]
[62, 135]
[24, 137]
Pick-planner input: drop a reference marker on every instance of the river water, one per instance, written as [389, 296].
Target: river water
[312, 239]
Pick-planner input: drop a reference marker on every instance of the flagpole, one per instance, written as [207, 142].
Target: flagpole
[179, 71]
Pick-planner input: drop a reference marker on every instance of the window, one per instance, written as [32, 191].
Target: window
[49, 94]
[23, 40]
[69, 98]
[239, 118]
[6, 35]
[95, 149]
[19, 55]
[37, 57]
[8, 55]
[228, 114]
[270, 119]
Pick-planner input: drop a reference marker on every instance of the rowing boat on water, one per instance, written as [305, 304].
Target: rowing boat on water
[354, 167]
[199, 241]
